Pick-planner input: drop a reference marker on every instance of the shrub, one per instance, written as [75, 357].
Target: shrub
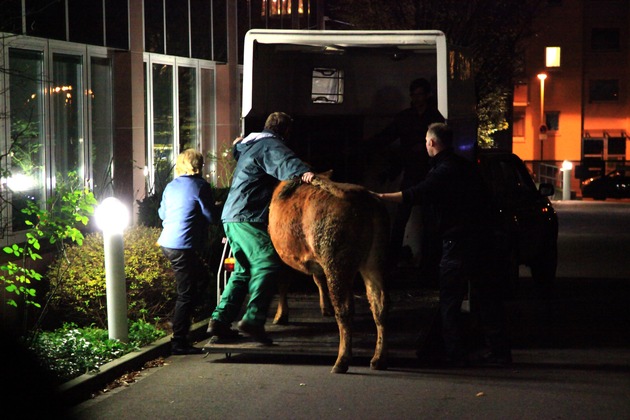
[77, 279]
[71, 351]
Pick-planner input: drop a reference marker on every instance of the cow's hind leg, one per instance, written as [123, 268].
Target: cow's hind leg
[379, 305]
[342, 299]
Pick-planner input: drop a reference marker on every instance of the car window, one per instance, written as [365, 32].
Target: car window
[509, 181]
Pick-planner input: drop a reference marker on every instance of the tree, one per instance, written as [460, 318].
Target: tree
[494, 31]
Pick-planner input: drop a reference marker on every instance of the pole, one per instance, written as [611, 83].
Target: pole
[542, 77]
[115, 286]
[112, 217]
[566, 180]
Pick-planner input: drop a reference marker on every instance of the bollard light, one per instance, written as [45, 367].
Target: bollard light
[567, 166]
[112, 217]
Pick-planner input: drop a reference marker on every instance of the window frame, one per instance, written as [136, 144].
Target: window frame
[201, 101]
[48, 48]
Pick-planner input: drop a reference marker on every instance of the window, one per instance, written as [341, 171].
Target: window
[85, 19]
[187, 97]
[327, 86]
[154, 26]
[552, 120]
[116, 24]
[26, 180]
[280, 7]
[68, 131]
[57, 124]
[552, 57]
[604, 90]
[518, 125]
[180, 108]
[605, 39]
[46, 19]
[200, 29]
[100, 103]
[177, 34]
[163, 135]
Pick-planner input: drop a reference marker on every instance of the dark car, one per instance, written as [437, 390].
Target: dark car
[615, 184]
[528, 232]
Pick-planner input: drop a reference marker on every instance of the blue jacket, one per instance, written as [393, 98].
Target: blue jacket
[262, 160]
[186, 210]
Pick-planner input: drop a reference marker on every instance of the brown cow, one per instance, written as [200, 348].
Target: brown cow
[334, 231]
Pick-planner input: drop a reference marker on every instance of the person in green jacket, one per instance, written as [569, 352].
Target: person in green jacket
[263, 159]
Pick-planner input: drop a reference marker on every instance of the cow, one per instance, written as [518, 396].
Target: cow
[333, 231]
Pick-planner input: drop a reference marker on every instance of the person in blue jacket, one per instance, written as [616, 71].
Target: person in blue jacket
[262, 160]
[187, 208]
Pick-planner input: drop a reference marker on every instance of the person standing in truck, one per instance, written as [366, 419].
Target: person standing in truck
[409, 128]
[262, 159]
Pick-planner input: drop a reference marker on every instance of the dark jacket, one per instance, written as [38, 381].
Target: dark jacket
[453, 195]
[186, 209]
[262, 160]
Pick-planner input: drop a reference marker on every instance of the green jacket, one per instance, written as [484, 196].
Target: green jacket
[262, 160]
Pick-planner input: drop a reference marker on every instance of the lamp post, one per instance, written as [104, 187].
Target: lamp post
[567, 166]
[112, 217]
[543, 127]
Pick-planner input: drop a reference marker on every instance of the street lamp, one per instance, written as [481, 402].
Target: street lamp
[112, 217]
[543, 127]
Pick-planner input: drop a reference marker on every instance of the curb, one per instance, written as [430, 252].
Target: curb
[81, 388]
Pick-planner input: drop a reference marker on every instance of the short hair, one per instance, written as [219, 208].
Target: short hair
[278, 122]
[420, 83]
[189, 162]
[443, 134]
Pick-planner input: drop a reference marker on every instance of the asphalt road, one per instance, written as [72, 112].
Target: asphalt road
[571, 357]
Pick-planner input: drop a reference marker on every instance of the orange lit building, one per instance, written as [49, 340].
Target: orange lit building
[583, 48]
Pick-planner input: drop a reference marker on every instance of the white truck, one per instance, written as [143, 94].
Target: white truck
[343, 87]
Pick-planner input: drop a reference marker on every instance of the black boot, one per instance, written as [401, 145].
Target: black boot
[182, 346]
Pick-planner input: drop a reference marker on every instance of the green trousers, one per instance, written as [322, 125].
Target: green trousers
[256, 268]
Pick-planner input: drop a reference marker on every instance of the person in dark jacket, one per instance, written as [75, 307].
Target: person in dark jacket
[408, 128]
[457, 211]
[187, 208]
[262, 159]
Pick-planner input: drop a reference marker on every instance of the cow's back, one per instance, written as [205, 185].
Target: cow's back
[327, 224]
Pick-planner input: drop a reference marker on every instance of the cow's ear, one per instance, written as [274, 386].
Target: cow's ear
[327, 174]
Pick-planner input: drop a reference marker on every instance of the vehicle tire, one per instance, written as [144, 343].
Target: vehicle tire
[507, 267]
[543, 269]
[513, 278]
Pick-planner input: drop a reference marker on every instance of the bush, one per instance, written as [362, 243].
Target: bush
[77, 279]
[71, 351]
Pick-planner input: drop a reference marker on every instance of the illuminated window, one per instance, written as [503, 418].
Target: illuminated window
[552, 56]
[280, 7]
[327, 86]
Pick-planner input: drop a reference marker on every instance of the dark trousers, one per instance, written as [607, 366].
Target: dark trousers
[190, 273]
[468, 262]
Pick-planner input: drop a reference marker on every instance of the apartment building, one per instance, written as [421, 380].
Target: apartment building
[572, 100]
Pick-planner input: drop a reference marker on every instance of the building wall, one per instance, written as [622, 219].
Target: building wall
[568, 24]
